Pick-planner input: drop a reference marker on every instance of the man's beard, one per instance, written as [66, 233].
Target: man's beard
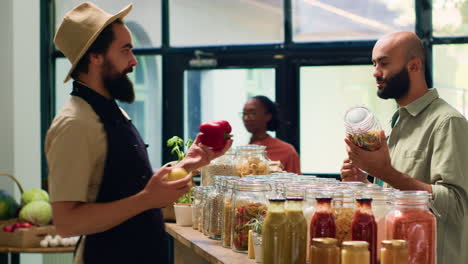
[396, 87]
[118, 84]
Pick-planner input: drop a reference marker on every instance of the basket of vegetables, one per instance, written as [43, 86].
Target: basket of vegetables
[26, 223]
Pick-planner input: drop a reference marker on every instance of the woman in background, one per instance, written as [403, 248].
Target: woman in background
[261, 115]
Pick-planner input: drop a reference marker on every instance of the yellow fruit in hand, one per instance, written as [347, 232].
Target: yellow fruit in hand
[177, 174]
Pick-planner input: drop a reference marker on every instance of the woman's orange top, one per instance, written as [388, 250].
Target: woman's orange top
[278, 150]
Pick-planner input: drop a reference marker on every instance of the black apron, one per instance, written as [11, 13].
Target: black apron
[141, 239]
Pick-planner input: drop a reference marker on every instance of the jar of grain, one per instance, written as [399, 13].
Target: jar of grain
[222, 166]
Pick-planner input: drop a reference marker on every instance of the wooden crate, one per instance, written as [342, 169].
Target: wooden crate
[25, 237]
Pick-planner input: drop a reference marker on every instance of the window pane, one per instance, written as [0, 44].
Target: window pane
[225, 22]
[144, 21]
[450, 17]
[450, 68]
[332, 20]
[221, 95]
[145, 112]
[326, 93]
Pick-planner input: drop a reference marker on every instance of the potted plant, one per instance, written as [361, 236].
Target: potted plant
[255, 225]
[178, 148]
[183, 209]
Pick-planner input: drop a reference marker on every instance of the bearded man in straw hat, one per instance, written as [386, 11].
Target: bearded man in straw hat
[101, 183]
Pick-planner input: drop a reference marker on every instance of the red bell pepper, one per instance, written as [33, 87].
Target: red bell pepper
[215, 134]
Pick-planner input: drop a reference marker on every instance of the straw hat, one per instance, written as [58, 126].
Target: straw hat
[80, 28]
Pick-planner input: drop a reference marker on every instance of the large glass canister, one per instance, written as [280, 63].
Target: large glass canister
[205, 222]
[323, 221]
[227, 213]
[251, 160]
[364, 227]
[216, 209]
[197, 198]
[362, 127]
[201, 208]
[344, 215]
[355, 252]
[412, 221]
[381, 206]
[296, 242]
[224, 165]
[275, 231]
[249, 203]
[394, 252]
[324, 251]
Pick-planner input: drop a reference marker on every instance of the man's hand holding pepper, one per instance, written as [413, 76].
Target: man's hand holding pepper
[200, 155]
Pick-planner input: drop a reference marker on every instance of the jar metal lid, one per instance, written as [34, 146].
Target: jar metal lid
[325, 242]
[395, 243]
[355, 244]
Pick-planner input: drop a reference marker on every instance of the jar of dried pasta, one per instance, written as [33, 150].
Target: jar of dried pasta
[249, 206]
[251, 160]
[362, 128]
[222, 166]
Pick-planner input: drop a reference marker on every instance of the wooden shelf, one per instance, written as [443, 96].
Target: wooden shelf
[37, 250]
[208, 249]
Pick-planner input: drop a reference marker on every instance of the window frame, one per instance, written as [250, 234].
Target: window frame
[287, 57]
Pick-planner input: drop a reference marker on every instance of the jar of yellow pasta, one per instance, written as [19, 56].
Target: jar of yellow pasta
[251, 160]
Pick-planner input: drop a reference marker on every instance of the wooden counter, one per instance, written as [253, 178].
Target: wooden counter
[191, 246]
[37, 250]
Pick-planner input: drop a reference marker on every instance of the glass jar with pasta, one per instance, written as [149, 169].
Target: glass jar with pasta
[251, 160]
[248, 203]
[362, 128]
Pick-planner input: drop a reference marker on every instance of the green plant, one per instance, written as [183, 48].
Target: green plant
[177, 145]
[255, 224]
[186, 198]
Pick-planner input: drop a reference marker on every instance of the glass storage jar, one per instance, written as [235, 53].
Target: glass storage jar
[381, 206]
[355, 252]
[323, 221]
[364, 227]
[362, 127]
[215, 209]
[343, 213]
[411, 220]
[249, 203]
[224, 165]
[296, 243]
[205, 219]
[324, 251]
[251, 160]
[394, 252]
[216, 206]
[197, 198]
[275, 231]
[227, 213]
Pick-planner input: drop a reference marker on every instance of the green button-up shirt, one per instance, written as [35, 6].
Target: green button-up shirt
[430, 143]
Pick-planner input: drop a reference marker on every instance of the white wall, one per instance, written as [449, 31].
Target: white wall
[20, 97]
[6, 94]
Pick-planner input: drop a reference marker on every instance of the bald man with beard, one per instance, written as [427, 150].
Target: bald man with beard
[427, 148]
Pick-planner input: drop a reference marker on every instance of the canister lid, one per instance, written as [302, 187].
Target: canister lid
[394, 243]
[357, 114]
[355, 244]
[324, 242]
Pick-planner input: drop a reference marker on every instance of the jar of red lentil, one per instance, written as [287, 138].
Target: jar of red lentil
[411, 220]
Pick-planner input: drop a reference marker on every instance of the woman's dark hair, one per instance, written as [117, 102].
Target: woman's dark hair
[100, 46]
[272, 109]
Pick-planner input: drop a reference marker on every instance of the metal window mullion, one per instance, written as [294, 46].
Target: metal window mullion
[424, 30]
